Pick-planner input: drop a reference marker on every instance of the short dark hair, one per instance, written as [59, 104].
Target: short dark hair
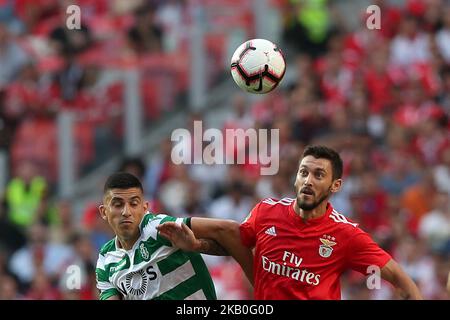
[326, 153]
[122, 180]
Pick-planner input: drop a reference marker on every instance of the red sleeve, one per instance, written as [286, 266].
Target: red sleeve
[363, 252]
[248, 228]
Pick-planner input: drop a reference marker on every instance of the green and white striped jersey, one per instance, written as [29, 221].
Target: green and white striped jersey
[153, 268]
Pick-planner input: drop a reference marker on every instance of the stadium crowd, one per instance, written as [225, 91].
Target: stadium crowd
[379, 97]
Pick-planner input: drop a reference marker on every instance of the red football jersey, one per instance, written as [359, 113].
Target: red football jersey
[304, 260]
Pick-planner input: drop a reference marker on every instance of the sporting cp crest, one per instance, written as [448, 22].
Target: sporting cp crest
[326, 248]
[144, 252]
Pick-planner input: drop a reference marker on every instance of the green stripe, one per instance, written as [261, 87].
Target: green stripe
[173, 261]
[203, 275]
[109, 293]
[102, 275]
[147, 218]
[107, 247]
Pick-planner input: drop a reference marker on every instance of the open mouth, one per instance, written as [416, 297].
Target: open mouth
[307, 192]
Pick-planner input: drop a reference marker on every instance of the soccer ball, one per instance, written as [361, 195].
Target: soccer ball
[257, 66]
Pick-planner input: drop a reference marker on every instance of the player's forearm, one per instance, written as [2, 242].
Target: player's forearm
[210, 246]
[224, 232]
[227, 235]
[406, 287]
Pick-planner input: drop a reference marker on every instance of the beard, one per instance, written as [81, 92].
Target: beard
[308, 206]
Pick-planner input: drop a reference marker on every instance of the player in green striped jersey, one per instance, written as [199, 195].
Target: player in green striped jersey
[140, 264]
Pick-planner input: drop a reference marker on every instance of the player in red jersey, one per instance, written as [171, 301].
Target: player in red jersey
[301, 246]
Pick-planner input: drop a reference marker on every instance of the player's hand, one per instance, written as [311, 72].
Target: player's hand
[181, 236]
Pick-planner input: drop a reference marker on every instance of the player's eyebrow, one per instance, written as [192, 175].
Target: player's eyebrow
[118, 198]
[115, 198]
[315, 169]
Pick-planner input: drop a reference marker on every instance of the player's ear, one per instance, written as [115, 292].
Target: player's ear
[146, 206]
[102, 211]
[336, 186]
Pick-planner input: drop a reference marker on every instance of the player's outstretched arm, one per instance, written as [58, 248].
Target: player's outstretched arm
[393, 273]
[225, 233]
[228, 235]
[182, 237]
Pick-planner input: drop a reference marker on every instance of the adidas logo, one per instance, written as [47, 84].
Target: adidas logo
[271, 231]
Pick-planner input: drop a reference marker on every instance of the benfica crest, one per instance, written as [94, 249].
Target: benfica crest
[326, 248]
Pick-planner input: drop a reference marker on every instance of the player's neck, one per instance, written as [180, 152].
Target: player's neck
[127, 244]
[317, 212]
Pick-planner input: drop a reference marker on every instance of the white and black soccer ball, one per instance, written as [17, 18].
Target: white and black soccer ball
[257, 66]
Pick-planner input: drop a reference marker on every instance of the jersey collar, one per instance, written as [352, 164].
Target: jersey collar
[312, 221]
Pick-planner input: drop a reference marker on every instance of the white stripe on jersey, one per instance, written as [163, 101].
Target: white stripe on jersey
[339, 218]
[198, 295]
[110, 257]
[177, 276]
[284, 201]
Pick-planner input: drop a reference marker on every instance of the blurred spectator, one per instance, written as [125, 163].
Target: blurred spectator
[12, 57]
[309, 25]
[309, 122]
[9, 289]
[419, 265]
[26, 196]
[399, 173]
[434, 227]
[171, 17]
[195, 205]
[443, 35]
[82, 265]
[99, 230]
[174, 193]
[230, 282]
[11, 236]
[411, 44]
[370, 205]
[69, 79]
[381, 97]
[146, 35]
[158, 170]
[69, 42]
[39, 259]
[135, 166]
[419, 198]
[442, 171]
[63, 228]
[41, 288]
[235, 204]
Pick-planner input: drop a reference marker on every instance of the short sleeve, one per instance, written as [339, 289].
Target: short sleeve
[363, 252]
[105, 287]
[248, 228]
